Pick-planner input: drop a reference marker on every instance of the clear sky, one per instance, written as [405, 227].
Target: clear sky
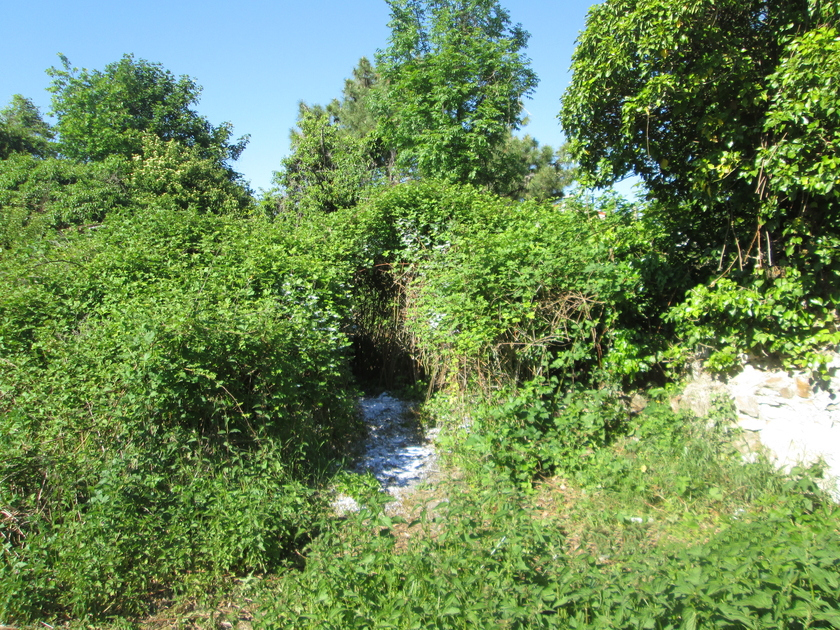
[255, 58]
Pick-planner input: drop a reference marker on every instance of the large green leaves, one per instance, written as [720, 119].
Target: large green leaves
[804, 118]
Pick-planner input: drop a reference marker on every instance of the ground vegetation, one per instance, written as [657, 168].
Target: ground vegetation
[179, 361]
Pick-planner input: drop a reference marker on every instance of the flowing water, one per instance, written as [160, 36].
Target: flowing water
[396, 451]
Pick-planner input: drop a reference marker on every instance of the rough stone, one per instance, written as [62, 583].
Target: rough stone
[637, 403]
[699, 395]
[747, 405]
[786, 392]
[803, 387]
[777, 382]
[794, 423]
[753, 425]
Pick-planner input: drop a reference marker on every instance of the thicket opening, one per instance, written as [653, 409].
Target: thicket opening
[381, 357]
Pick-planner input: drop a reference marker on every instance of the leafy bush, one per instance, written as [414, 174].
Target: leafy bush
[169, 382]
[480, 290]
[543, 430]
[482, 565]
[38, 195]
[540, 294]
[776, 572]
[170, 174]
[770, 318]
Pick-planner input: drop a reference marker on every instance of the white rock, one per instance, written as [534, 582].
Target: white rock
[797, 424]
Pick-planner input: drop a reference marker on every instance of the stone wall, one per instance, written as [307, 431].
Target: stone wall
[795, 419]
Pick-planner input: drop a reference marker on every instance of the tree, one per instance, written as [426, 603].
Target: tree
[102, 113]
[170, 175]
[702, 100]
[328, 167]
[798, 163]
[354, 112]
[524, 169]
[22, 130]
[356, 115]
[454, 78]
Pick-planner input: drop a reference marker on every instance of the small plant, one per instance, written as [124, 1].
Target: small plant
[360, 486]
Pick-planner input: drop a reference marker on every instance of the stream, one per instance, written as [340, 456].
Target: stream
[396, 450]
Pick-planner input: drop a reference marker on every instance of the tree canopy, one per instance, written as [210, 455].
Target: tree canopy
[340, 148]
[720, 107]
[329, 166]
[22, 130]
[102, 113]
[455, 75]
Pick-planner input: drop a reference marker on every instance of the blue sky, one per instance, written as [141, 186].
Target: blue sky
[255, 59]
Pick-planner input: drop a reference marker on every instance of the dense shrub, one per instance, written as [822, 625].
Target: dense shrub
[483, 290]
[168, 383]
[42, 194]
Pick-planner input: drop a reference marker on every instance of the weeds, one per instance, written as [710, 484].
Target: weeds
[666, 527]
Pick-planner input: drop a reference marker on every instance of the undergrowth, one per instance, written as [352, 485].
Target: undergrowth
[176, 387]
[664, 527]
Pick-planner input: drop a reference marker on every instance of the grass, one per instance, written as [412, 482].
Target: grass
[646, 534]
[665, 527]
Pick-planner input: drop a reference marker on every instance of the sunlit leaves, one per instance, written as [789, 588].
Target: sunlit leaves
[102, 113]
[455, 76]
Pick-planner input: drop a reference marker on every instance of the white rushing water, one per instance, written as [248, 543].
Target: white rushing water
[396, 451]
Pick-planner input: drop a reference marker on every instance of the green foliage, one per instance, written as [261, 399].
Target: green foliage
[328, 169]
[157, 519]
[526, 170]
[371, 134]
[170, 174]
[37, 196]
[175, 369]
[742, 164]
[22, 130]
[768, 318]
[797, 168]
[103, 113]
[542, 430]
[668, 470]
[454, 77]
[765, 574]
[476, 290]
[168, 382]
[354, 112]
[485, 566]
[363, 487]
[489, 290]
[538, 294]
[486, 559]
[647, 97]
[777, 571]
[804, 119]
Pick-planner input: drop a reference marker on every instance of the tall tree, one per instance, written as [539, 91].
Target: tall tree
[525, 169]
[454, 77]
[102, 113]
[723, 108]
[328, 167]
[354, 112]
[22, 130]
